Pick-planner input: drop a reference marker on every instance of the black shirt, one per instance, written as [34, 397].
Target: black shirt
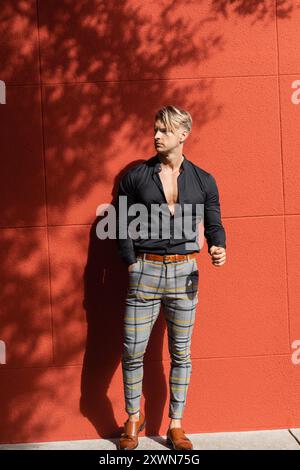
[142, 184]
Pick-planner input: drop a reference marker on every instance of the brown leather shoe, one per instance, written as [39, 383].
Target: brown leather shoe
[178, 440]
[129, 438]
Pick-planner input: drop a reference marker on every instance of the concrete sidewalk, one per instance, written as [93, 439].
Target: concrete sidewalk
[278, 439]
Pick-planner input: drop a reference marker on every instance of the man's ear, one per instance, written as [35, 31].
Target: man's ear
[187, 133]
[184, 135]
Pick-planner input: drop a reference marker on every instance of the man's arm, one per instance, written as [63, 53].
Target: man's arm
[125, 246]
[213, 229]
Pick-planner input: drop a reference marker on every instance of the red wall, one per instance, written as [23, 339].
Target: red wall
[83, 81]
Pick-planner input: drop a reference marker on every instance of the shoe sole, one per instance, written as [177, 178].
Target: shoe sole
[132, 448]
[171, 443]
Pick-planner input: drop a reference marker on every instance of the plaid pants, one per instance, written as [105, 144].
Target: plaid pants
[151, 283]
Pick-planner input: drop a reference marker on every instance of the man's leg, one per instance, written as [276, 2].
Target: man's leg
[180, 301]
[146, 284]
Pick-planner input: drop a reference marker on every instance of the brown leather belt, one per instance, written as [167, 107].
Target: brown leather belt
[166, 258]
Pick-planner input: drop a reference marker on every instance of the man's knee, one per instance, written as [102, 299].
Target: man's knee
[181, 357]
[131, 358]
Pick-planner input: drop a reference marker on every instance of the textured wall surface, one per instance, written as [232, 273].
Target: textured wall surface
[83, 81]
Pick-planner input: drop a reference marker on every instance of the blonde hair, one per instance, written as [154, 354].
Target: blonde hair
[174, 117]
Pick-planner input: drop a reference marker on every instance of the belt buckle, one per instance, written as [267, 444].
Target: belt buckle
[168, 259]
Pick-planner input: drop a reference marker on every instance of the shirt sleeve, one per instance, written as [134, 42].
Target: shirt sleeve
[125, 245]
[214, 231]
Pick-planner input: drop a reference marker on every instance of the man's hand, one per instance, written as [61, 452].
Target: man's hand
[218, 255]
[131, 266]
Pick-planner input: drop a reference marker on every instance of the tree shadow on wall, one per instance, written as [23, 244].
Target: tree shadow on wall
[83, 81]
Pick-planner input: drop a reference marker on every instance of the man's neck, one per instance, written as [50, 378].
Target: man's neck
[170, 163]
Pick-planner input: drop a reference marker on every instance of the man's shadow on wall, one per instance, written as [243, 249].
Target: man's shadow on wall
[105, 287]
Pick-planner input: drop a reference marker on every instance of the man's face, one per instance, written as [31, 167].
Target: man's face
[164, 140]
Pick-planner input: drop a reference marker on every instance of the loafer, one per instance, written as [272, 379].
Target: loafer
[177, 439]
[129, 438]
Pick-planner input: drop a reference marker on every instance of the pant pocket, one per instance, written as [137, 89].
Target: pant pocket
[193, 282]
[134, 275]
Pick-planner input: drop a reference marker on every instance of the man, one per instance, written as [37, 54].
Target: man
[163, 269]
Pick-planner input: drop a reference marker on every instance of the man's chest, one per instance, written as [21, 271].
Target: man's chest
[169, 188]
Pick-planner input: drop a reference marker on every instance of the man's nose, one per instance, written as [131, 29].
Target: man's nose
[157, 134]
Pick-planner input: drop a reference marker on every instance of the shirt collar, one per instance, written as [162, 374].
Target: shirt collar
[157, 165]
